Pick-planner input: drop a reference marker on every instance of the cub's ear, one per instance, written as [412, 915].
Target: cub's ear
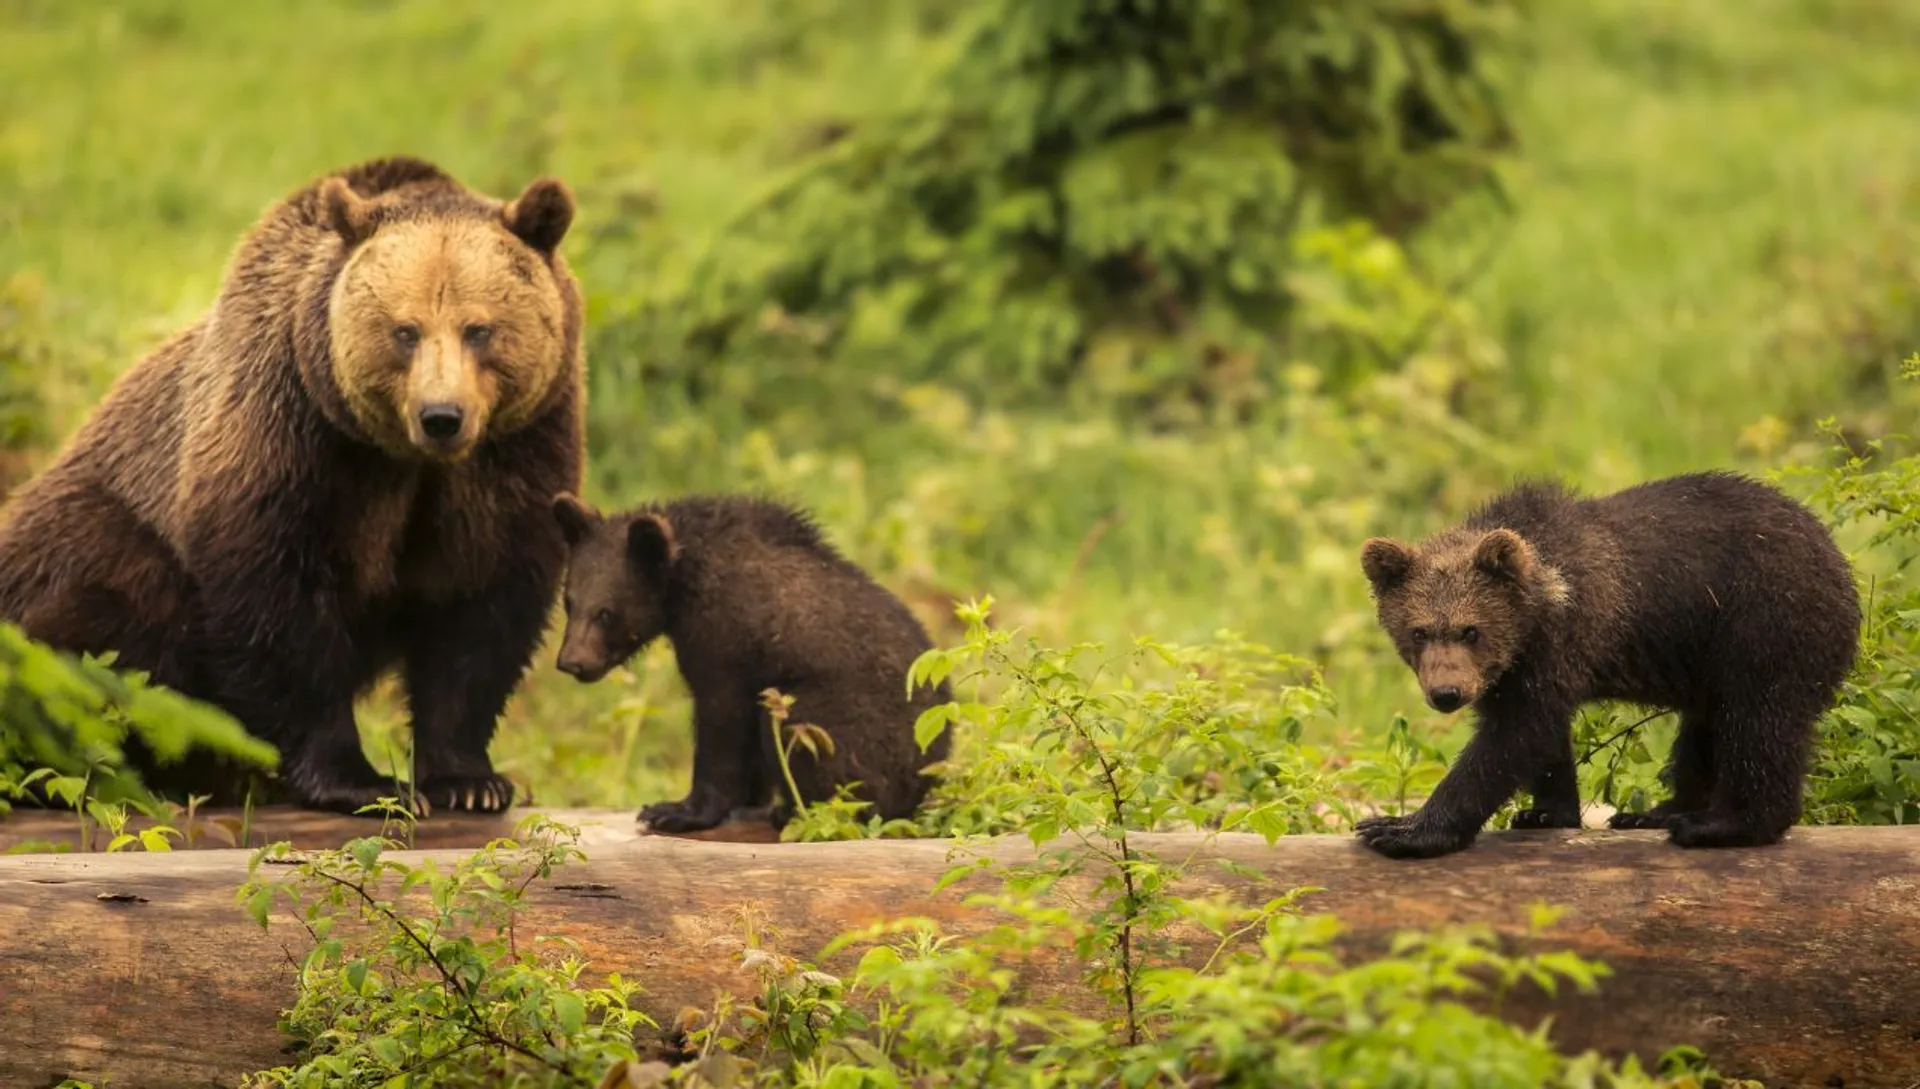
[350, 214]
[1504, 554]
[1386, 562]
[574, 516]
[541, 214]
[650, 543]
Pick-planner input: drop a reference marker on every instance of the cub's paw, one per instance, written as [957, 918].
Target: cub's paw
[1629, 822]
[685, 815]
[485, 793]
[1710, 829]
[1545, 818]
[1371, 823]
[1407, 837]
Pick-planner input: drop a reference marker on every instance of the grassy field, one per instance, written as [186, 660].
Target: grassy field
[1689, 170]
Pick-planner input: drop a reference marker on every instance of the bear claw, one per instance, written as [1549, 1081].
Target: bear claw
[468, 793]
[1544, 818]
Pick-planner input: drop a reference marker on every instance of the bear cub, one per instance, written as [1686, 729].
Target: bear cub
[752, 596]
[1710, 594]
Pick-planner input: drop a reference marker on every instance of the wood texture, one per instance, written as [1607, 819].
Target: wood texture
[1797, 964]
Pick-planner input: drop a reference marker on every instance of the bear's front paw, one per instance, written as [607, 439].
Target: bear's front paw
[1710, 828]
[685, 815]
[1409, 837]
[486, 793]
[1545, 818]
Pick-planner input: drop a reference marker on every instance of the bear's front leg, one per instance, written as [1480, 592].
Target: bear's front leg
[1498, 758]
[463, 661]
[726, 722]
[1556, 792]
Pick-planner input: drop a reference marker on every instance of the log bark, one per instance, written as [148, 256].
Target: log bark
[1797, 964]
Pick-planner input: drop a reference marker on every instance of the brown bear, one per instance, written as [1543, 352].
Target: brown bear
[753, 597]
[346, 466]
[1711, 594]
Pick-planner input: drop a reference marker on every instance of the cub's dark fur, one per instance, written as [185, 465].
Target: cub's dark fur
[1710, 594]
[751, 597]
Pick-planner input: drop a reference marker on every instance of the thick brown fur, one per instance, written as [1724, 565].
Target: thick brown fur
[752, 596]
[346, 466]
[1710, 594]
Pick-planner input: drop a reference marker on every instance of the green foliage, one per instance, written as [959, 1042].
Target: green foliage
[64, 721]
[1125, 206]
[1155, 738]
[439, 988]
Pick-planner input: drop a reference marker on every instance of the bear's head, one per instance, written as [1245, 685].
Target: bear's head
[1461, 607]
[448, 321]
[619, 572]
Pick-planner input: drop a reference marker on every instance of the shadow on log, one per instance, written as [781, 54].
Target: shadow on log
[1797, 964]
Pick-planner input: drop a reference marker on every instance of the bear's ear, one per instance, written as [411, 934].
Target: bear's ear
[574, 516]
[650, 544]
[1386, 562]
[541, 214]
[350, 214]
[1504, 554]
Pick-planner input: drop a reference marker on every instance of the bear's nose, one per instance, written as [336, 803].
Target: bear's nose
[441, 422]
[1444, 698]
[577, 668]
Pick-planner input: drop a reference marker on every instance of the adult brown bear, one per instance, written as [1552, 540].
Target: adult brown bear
[346, 466]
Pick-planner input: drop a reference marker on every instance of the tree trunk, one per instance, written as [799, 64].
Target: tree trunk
[1797, 964]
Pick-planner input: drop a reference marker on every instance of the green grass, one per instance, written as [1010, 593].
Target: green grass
[1674, 156]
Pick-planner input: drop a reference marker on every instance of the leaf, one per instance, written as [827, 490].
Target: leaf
[569, 1011]
[260, 904]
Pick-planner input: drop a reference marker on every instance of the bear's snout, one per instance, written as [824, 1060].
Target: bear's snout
[579, 666]
[1445, 698]
[442, 422]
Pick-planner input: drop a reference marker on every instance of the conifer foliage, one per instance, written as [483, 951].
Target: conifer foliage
[1122, 199]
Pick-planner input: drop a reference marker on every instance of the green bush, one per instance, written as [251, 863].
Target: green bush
[1104, 204]
[64, 721]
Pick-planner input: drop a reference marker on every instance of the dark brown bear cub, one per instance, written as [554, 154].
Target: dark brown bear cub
[1710, 594]
[751, 596]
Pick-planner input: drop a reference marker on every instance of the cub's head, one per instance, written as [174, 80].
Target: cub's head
[617, 576]
[1461, 607]
[448, 322]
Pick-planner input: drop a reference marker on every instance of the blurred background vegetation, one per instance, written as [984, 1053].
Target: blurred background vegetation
[1140, 323]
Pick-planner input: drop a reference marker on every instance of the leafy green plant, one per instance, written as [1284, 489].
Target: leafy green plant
[64, 721]
[443, 991]
[1127, 203]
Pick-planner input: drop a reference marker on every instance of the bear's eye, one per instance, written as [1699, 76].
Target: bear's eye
[1469, 635]
[406, 336]
[1419, 636]
[603, 617]
[477, 335]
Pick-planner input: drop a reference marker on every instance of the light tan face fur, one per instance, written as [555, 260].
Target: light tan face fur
[445, 331]
[1461, 607]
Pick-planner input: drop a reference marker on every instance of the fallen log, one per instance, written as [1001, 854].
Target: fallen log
[1797, 964]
